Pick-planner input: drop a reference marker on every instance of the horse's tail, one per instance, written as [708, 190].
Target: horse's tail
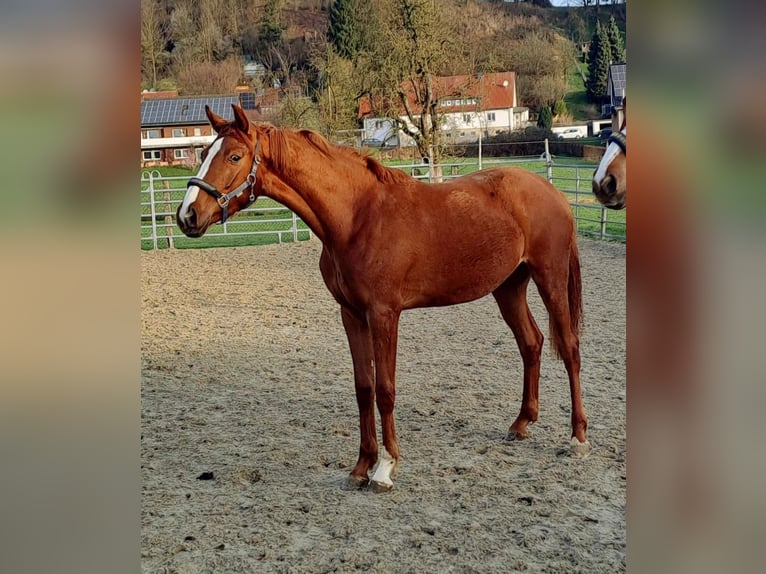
[574, 296]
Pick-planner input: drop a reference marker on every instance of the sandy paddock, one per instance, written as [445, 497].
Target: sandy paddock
[246, 375]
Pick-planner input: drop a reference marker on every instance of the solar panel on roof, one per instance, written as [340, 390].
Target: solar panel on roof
[248, 100]
[185, 110]
[617, 81]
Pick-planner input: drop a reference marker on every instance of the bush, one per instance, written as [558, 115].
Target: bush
[560, 108]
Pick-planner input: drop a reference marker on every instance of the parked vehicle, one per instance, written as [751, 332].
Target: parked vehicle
[604, 134]
[570, 134]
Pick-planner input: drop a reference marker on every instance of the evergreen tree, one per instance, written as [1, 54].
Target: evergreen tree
[598, 65]
[545, 118]
[272, 25]
[343, 32]
[616, 43]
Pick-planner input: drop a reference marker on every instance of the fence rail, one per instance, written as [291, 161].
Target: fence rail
[267, 221]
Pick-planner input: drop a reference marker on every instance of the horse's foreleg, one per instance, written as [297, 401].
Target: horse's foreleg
[384, 326]
[511, 298]
[360, 343]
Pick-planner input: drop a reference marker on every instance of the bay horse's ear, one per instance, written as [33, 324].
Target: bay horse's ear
[241, 119]
[216, 121]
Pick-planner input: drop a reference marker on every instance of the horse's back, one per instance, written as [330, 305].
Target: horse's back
[511, 192]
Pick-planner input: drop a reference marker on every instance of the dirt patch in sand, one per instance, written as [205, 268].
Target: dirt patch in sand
[246, 375]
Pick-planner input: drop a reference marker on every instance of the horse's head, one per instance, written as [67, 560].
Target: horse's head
[609, 179]
[226, 178]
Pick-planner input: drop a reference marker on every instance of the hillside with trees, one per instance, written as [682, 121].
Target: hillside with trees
[324, 55]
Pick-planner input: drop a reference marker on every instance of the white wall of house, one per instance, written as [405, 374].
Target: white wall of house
[381, 129]
[458, 126]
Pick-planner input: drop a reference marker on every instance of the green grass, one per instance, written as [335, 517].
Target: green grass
[171, 171]
[577, 99]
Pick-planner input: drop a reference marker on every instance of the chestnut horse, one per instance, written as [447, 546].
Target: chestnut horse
[392, 243]
[609, 179]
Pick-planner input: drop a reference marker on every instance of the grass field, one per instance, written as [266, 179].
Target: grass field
[274, 223]
[576, 98]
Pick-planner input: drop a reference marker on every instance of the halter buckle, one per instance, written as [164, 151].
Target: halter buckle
[223, 201]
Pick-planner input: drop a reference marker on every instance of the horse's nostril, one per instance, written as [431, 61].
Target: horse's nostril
[191, 217]
[598, 186]
[609, 184]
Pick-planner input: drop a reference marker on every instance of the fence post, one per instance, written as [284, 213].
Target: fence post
[603, 223]
[168, 218]
[153, 211]
[295, 227]
[479, 144]
[548, 161]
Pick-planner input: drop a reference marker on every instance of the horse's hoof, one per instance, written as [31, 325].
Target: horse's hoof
[380, 487]
[354, 482]
[579, 449]
[514, 435]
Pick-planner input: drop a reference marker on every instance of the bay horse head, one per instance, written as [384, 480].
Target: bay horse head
[226, 178]
[609, 179]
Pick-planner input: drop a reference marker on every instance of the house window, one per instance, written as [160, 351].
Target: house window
[152, 155]
[378, 124]
[178, 133]
[182, 153]
[197, 131]
[153, 134]
[490, 116]
[467, 118]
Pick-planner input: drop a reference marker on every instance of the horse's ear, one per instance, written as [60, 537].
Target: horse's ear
[241, 119]
[215, 120]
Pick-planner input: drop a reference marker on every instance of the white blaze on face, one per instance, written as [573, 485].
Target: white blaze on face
[611, 153]
[193, 190]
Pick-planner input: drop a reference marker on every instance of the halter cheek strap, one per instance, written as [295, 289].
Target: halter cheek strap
[224, 199]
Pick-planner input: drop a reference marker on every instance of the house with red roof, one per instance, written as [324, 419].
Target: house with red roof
[468, 105]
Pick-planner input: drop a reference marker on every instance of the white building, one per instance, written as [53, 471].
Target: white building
[466, 104]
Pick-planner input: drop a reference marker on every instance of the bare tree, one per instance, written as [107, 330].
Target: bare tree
[198, 78]
[153, 30]
[338, 91]
[417, 42]
[541, 60]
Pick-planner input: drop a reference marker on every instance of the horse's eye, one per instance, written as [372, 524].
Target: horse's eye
[235, 158]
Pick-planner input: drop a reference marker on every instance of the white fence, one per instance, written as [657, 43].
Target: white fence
[266, 221]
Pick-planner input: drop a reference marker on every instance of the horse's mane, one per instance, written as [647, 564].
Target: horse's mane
[280, 144]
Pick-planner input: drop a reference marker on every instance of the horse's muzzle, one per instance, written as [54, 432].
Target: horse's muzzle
[607, 193]
[189, 224]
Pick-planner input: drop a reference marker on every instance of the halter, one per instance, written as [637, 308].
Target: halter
[224, 199]
[619, 139]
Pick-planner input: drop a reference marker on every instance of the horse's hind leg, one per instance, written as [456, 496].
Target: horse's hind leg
[511, 297]
[553, 285]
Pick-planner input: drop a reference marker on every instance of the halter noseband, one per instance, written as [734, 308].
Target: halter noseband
[619, 139]
[224, 199]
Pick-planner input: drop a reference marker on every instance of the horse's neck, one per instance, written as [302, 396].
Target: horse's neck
[327, 208]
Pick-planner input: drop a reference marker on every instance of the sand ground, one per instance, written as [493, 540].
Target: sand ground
[246, 374]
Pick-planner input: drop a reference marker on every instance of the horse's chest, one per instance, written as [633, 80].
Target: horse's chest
[339, 281]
